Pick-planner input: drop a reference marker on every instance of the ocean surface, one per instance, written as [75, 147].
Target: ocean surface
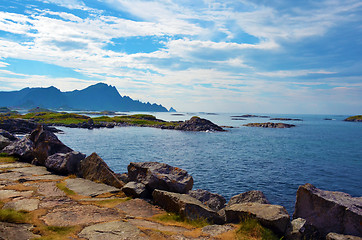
[325, 153]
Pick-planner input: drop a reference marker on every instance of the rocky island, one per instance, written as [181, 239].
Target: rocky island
[72, 196]
[270, 125]
[357, 118]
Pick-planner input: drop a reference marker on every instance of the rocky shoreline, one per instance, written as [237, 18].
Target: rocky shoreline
[154, 188]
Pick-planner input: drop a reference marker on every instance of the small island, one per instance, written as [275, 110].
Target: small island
[357, 118]
[269, 125]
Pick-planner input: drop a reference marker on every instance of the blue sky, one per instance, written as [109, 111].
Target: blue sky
[257, 56]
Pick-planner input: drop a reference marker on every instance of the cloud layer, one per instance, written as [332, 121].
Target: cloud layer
[229, 56]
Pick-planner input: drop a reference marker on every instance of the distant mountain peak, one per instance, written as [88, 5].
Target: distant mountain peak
[97, 97]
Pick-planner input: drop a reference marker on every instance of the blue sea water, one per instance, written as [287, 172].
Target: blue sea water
[327, 154]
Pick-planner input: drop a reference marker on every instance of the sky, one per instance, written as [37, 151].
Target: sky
[245, 56]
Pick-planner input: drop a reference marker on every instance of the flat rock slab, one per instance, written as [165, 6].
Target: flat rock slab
[4, 194]
[139, 208]
[53, 202]
[157, 226]
[49, 189]
[33, 170]
[112, 231]
[16, 231]
[88, 188]
[14, 176]
[44, 177]
[23, 204]
[80, 215]
[336, 236]
[214, 230]
[15, 165]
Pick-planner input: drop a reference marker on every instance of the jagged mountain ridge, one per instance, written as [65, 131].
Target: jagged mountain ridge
[96, 97]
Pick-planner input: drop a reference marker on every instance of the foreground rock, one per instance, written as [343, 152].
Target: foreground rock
[212, 200]
[270, 125]
[16, 231]
[94, 168]
[336, 236]
[65, 163]
[136, 190]
[274, 217]
[185, 205]
[329, 211]
[161, 176]
[4, 142]
[198, 124]
[301, 230]
[22, 149]
[250, 196]
[88, 188]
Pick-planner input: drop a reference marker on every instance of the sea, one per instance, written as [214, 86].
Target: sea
[325, 153]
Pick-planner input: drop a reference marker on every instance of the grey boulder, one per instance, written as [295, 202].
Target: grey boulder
[161, 176]
[274, 217]
[22, 149]
[329, 211]
[250, 196]
[212, 200]
[185, 205]
[65, 163]
[301, 230]
[136, 190]
[4, 142]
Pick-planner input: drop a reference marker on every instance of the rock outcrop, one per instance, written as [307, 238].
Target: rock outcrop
[21, 126]
[212, 200]
[329, 211]
[250, 196]
[336, 236]
[185, 205]
[269, 125]
[198, 124]
[65, 163]
[155, 175]
[8, 135]
[94, 168]
[357, 118]
[274, 217]
[22, 149]
[136, 190]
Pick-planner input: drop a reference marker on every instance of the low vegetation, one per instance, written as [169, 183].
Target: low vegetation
[4, 158]
[13, 216]
[56, 232]
[251, 229]
[357, 118]
[62, 186]
[181, 220]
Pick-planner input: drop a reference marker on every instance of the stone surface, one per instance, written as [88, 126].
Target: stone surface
[4, 142]
[49, 189]
[160, 176]
[269, 125]
[156, 226]
[94, 168]
[23, 204]
[198, 124]
[14, 176]
[52, 202]
[250, 196]
[214, 230]
[301, 230]
[329, 211]
[35, 170]
[15, 165]
[139, 208]
[4, 194]
[79, 215]
[185, 205]
[336, 236]
[11, 231]
[136, 190]
[65, 163]
[8, 135]
[22, 149]
[88, 188]
[212, 200]
[112, 231]
[46, 144]
[274, 217]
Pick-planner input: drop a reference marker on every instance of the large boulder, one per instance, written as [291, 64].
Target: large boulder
[250, 196]
[212, 200]
[161, 176]
[22, 149]
[136, 190]
[185, 205]
[65, 163]
[336, 236]
[301, 230]
[46, 144]
[329, 211]
[274, 217]
[4, 142]
[94, 168]
[8, 135]
[198, 124]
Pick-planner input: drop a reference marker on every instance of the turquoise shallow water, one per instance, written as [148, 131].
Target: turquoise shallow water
[327, 154]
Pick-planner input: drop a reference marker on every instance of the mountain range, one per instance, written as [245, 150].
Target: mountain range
[96, 97]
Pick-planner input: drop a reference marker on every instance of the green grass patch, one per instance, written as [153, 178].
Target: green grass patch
[13, 216]
[62, 186]
[251, 229]
[4, 158]
[173, 217]
[60, 230]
